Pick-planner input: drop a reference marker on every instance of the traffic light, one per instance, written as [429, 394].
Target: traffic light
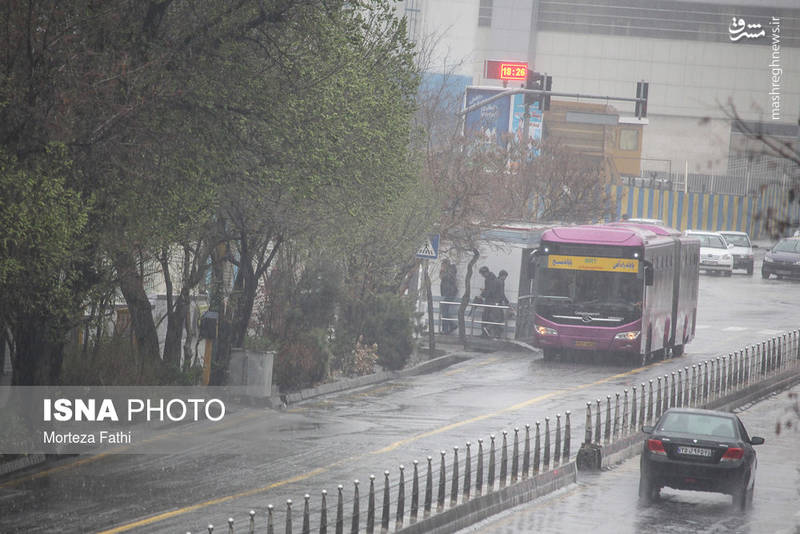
[535, 81]
[548, 86]
[641, 105]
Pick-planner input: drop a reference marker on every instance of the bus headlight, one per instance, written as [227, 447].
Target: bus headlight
[628, 336]
[545, 331]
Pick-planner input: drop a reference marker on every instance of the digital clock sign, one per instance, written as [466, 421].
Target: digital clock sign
[506, 70]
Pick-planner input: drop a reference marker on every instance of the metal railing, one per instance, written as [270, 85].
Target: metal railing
[541, 450]
[474, 317]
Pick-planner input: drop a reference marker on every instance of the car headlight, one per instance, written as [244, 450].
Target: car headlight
[629, 336]
[767, 259]
[545, 331]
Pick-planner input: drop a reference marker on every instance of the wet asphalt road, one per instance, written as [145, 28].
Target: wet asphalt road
[607, 502]
[262, 457]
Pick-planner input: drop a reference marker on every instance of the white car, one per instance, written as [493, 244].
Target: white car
[742, 250]
[715, 252]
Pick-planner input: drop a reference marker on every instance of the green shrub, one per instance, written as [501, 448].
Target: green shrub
[302, 361]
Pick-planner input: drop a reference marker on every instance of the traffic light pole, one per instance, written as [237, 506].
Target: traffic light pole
[510, 92]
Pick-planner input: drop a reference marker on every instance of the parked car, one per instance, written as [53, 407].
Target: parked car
[715, 252]
[700, 450]
[742, 250]
[783, 259]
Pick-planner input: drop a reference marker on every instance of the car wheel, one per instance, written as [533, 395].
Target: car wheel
[550, 354]
[764, 274]
[750, 269]
[729, 273]
[648, 489]
[677, 351]
[742, 497]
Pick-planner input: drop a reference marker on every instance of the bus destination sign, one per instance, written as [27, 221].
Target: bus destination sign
[506, 70]
[590, 263]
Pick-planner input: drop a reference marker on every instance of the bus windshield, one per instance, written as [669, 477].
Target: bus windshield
[600, 294]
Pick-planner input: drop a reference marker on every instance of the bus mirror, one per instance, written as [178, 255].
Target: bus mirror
[648, 275]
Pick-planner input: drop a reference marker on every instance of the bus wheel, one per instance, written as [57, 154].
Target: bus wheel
[677, 351]
[550, 354]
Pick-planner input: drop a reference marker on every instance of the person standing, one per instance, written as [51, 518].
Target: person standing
[487, 297]
[500, 299]
[448, 289]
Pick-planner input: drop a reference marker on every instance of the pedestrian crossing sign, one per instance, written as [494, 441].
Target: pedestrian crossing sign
[430, 249]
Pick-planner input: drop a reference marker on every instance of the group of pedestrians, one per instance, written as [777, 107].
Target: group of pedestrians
[493, 293]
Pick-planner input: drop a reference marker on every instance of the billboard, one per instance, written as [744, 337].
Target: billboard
[496, 120]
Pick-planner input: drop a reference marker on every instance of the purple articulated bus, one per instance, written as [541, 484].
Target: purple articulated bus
[621, 287]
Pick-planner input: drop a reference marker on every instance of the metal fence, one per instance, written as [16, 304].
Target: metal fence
[450, 480]
[477, 321]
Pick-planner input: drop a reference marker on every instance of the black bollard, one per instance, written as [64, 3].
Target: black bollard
[634, 427]
[686, 387]
[546, 443]
[270, 521]
[323, 514]
[415, 495]
[230, 525]
[490, 481]
[504, 460]
[428, 489]
[679, 389]
[557, 451]
[536, 450]
[442, 482]
[479, 474]
[371, 506]
[624, 430]
[526, 453]
[658, 397]
[401, 501]
[467, 473]
[306, 515]
[607, 433]
[454, 479]
[356, 511]
[650, 403]
[252, 514]
[642, 408]
[340, 510]
[587, 437]
[288, 529]
[615, 432]
[598, 429]
[515, 456]
[567, 438]
[385, 505]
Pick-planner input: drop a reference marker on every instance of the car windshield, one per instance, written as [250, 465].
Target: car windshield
[788, 245]
[698, 424]
[711, 241]
[738, 240]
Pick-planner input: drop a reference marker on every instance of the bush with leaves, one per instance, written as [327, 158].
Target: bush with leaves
[362, 360]
[302, 361]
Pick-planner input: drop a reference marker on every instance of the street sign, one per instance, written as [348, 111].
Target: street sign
[430, 249]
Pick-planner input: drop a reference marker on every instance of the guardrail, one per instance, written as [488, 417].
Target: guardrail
[531, 463]
[486, 328]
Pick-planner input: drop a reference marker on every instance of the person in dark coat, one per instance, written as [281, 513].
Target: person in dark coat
[448, 289]
[487, 297]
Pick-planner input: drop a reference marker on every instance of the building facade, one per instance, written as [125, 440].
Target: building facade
[700, 58]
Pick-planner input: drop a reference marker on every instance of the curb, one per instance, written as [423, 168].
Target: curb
[21, 463]
[494, 502]
[429, 366]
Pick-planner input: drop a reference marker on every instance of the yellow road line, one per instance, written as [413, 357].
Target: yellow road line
[320, 470]
[219, 500]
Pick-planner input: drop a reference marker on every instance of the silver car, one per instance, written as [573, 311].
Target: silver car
[715, 252]
[742, 250]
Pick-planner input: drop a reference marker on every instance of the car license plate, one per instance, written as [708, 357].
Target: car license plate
[586, 344]
[694, 451]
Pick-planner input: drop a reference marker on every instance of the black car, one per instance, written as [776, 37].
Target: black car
[701, 450]
[783, 259]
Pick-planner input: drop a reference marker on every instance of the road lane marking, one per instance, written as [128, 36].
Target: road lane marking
[219, 500]
[247, 493]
